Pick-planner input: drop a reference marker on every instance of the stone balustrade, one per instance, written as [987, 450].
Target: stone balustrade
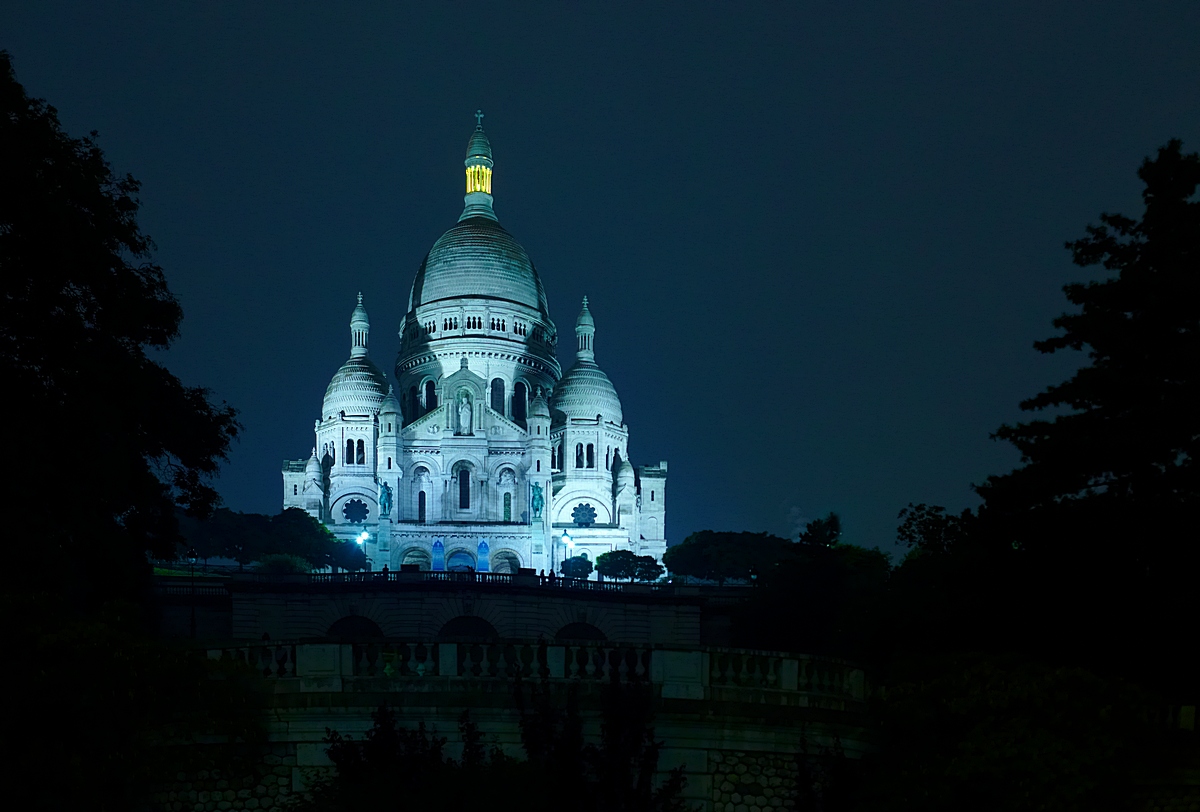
[724, 674]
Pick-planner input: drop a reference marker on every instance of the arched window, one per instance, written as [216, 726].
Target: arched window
[497, 395]
[295, 490]
[554, 458]
[464, 489]
[430, 396]
[389, 463]
[508, 507]
[520, 401]
[421, 507]
[539, 466]
[362, 453]
[608, 459]
[579, 455]
[414, 404]
[591, 455]
[651, 496]
[349, 451]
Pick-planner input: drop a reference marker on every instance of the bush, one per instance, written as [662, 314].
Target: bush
[283, 564]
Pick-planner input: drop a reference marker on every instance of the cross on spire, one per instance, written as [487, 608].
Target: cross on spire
[479, 119]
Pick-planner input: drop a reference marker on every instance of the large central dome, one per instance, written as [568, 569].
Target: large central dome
[478, 259]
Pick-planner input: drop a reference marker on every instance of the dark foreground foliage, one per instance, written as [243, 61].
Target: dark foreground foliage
[82, 309]
[250, 537]
[393, 767]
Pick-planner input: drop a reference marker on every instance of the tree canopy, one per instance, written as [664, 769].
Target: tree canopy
[250, 537]
[1117, 464]
[577, 566]
[629, 565]
[1103, 510]
[81, 306]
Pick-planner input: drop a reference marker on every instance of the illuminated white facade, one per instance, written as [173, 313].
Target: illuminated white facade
[483, 454]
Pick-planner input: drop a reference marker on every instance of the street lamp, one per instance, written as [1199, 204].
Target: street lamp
[362, 537]
[191, 557]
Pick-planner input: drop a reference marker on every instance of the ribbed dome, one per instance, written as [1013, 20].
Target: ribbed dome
[584, 392]
[358, 388]
[479, 146]
[539, 407]
[625, 475]
[390, 405]
[477, 258]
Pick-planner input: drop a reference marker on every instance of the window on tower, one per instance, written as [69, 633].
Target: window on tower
[421, 507]
[497, 395]
[520, 401]
[349, 452]
[464, 489]
[430, 396]
[579, 455]
[591, 456]
[361, 459]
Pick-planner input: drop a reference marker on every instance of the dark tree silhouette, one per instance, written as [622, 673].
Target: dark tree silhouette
[1105, 507]
[81, 304]
[629, 565]
[575, 567]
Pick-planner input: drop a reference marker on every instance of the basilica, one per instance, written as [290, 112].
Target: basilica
[483, 455]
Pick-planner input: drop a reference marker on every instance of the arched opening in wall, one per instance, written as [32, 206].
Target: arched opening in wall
[421, 498]
[505, 562]
[460, 561]
[554, 458]
[579, 455]
[349, 451]
[608, 459]
[579, 631]
[497, 395]
[414, 404]
[508, 507]
[591, 456]
[430, 396]
[354, 628]
[418, 557]
[520, 402]
[464, 489]
[361, 457]
[468, 628]
[652, 527]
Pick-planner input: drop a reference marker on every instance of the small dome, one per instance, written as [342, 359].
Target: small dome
[625, 473]
[358, 388]
[539, 407]
[479, 146]
[585, 317]
[313, 468]
[359, 315]
[478, 259]
[390, 405]
[584, 392]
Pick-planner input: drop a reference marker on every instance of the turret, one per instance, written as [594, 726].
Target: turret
[585, 334]
[360, 328]
[478, 202]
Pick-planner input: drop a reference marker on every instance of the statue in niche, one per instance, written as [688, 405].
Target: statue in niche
[537, 501]
[464, 414]
[385, 500]
[507, 477]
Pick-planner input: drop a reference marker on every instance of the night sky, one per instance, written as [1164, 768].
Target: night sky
[818, 239]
